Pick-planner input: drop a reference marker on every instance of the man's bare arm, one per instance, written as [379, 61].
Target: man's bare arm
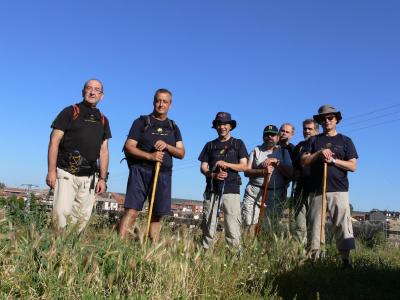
[55, 139]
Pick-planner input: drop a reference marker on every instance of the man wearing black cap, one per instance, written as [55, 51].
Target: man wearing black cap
[266, 160]
[340, 154]
[221, 161]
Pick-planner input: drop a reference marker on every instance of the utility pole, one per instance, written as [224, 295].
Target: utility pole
[29, 187]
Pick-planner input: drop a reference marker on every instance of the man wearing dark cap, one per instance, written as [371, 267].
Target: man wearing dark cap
[302, 179]
[266, 160]
[152, 138]
[221, 161]
[339, 152]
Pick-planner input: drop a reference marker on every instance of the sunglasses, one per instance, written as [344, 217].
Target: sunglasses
[328, 118]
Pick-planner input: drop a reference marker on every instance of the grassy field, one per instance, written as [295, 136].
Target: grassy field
[35, 263]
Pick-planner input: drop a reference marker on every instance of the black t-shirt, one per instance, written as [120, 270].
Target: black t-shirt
[232, 151]
[304, 181]
[147, 130]
[343, 149]
[85, 134]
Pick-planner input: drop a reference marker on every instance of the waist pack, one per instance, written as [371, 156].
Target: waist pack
[73, 162]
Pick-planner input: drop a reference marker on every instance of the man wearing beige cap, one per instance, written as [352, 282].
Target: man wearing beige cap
[339, 152]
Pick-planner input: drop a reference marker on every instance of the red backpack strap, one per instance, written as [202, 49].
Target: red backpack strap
[75, 111]
[102, 119]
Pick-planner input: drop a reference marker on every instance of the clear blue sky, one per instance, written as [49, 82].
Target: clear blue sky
[263, 61]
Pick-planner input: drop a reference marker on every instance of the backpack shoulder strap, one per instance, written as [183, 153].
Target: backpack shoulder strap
[147, 122]
[75, 111]
[172, 124]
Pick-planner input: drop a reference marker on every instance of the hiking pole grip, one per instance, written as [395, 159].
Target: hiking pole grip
[323, 206]
[153, 194]
[264, 199]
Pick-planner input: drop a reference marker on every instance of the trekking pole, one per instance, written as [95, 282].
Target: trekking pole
[221, 191]
[323, 207]
[153, 194]
[263, 203]
[220, 195]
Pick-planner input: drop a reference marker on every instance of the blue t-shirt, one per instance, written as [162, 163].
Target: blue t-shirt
[147, 134]
[343, 149]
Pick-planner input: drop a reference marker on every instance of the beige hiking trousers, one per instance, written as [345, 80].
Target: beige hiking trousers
[338, 209]
[232, 220]
[73, 199]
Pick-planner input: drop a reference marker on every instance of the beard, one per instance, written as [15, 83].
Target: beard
[270, 144]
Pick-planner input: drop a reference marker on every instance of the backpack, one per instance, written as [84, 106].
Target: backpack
[76, 111]
[147, 123]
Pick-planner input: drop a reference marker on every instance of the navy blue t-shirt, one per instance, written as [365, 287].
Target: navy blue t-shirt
[148, 134]
[343, 149]
[232, 151]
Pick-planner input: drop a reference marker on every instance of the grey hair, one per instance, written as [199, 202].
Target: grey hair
[288, 124]
[309, 121]
[95, 79]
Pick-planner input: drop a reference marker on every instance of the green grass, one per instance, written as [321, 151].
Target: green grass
[35, 263]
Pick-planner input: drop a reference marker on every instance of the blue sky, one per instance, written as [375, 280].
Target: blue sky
[262, 61]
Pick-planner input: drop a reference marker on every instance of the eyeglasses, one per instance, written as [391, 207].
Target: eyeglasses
[92, 89]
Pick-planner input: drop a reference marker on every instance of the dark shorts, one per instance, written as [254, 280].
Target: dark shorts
[140, 185]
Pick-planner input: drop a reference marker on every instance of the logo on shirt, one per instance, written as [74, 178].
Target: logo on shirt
[159, 130]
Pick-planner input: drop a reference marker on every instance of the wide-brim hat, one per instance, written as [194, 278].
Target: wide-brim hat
[223, 118]
[327, 109]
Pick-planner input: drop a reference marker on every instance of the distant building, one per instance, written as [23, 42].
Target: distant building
[107, 202]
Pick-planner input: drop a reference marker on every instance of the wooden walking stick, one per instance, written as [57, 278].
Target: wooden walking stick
[153, 194]
[264, 199]
[323, 207]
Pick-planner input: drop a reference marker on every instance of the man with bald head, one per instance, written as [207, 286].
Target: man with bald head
[78, 150]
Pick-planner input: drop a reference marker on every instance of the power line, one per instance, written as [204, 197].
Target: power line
[370, 119]
[373, 125]
[372, 112]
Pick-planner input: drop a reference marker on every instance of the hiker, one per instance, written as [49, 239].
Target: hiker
[152, 138]
[78, 139]
[286, 132]
[339, 152]
[267, 159]
[221, 161]
[302, 179]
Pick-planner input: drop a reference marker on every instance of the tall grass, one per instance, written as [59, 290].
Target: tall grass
[37, 263]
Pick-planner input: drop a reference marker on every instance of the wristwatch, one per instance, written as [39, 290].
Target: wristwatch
[333, 161]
